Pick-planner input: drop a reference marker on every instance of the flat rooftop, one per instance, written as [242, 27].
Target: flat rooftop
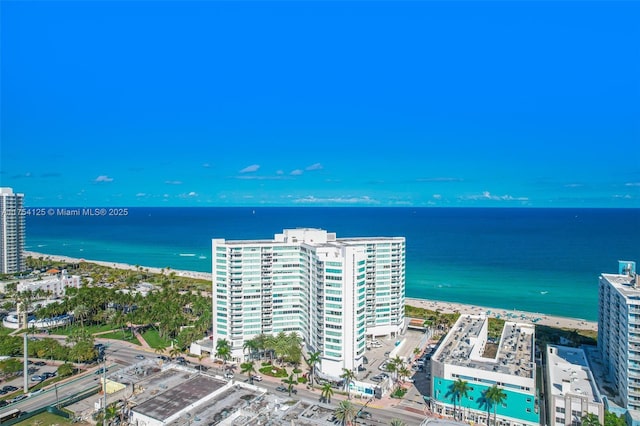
[625, 284]
[515, 350]
[164, 405]
[569, 372]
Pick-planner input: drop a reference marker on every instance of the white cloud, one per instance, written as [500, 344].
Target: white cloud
[141, 194]
[632, 184]
[166, 195]
[574, 185]
[310, 199]
[279, 172]
[206, 165]
[257, 177]
[191, 194]
[486, 195]
[173, 182]
[251, 168]
[437, 196]
[103, 178]
[316, 166]
[296, 172]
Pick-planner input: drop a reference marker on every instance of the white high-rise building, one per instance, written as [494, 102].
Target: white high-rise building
[619, 334]
[12, 229]
[331, 291]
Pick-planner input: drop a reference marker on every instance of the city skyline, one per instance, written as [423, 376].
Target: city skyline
[447, 104]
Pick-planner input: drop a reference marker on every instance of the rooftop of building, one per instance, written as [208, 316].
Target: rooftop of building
[569, 372]
[469, 336]
[626, 284]
[174, 400]
[313, 236]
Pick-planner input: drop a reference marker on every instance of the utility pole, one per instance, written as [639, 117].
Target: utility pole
[104, 385]
[25, 367]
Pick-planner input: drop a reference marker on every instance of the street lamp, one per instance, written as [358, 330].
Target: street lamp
[355, 421]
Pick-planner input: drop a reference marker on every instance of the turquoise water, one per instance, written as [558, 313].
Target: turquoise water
[536, 260]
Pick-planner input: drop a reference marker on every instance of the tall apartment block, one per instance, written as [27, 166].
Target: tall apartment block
[12, 229]
[619, 334]
[331, 291]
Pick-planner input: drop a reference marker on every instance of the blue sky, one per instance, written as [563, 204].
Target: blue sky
[403, 103]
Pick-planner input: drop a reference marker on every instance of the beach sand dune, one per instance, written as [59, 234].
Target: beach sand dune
[508, 315]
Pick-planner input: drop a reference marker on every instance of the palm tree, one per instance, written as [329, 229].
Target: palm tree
[251, 346]
[175, 352]
[346, 412]
[459, 389]
[312, 361]
[495, 396]
[348, 377]
[590, 419]
[81, 312]
[247, 367]
[326, 393]
[397, 422]
[223, 350]
[290, 382]
[404, 371]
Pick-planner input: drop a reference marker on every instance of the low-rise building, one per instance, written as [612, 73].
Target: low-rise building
[54, 284]
[466, 356]
[571, 390]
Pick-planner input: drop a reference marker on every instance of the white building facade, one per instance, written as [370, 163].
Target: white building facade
[54, 285]
[462, 356]
[571, 389]
[331, 292]
[12, 231]
[619, 333]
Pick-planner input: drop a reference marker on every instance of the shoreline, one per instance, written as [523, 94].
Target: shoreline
[505, 314]
[117, 265]
[445, 307]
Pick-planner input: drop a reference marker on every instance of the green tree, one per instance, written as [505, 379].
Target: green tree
[290, 382]
[495, 396]
[65, 370]
[611, 419]
[247, 367]
[326, 392]
[223, 350]
[348, 376]
[10, 366]
[458, 390]
[312, 361]
[590, 419]
[397, 422]
[346, 412]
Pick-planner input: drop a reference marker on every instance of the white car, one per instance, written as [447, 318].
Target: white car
[257, 378]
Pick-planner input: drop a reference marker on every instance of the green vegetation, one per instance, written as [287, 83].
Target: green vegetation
[399, 392]
[436, 319]
[44, 418]
[494, 329]
[553, 335]
[611, 419]
[91, 329]
[152, 337]
[125, 336]
[273, 371]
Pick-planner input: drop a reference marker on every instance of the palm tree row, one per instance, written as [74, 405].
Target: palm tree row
[491, 398]
[283, 346]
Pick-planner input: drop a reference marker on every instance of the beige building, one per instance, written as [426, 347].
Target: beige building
[571, 389]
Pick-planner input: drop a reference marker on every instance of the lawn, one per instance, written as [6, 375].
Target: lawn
[44, 419]
[152, 337]
[4, 331]
[118, 335]
[91, 329]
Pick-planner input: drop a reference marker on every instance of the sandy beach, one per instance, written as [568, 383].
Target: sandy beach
[446, 307]
[125, 266]
[506, 314]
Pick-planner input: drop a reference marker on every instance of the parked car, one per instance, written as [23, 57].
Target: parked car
[101, 370]
[285, 389]
[39, 363]
[9, 388]
[139, 356]
[228, 375]
[37, 378]
[257, 378]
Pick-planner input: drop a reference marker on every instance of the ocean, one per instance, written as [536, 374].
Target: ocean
[536, 260]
